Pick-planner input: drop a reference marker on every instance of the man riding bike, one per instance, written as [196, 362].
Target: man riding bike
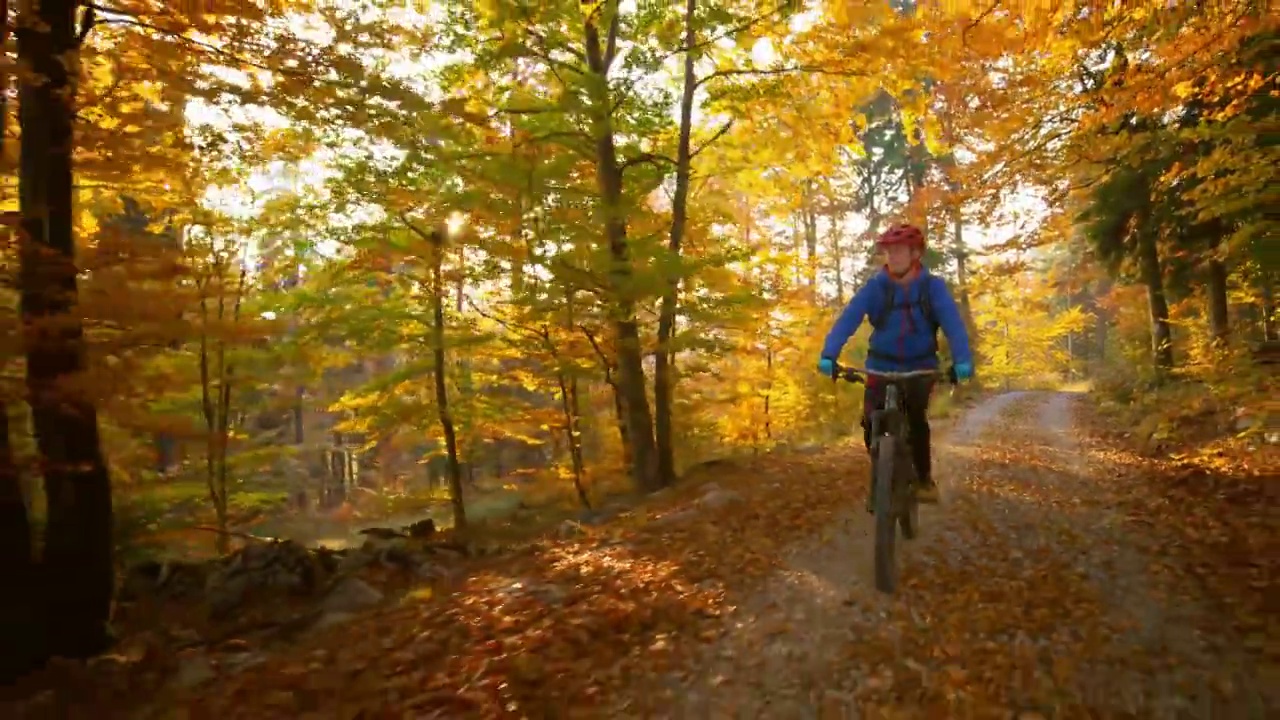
[906, 305]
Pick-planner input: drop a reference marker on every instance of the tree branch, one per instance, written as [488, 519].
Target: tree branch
[642, 158]
[658, 158]
[434, 237]
[120, 17]
[718, 134]
[542, 334]
[604, 359]
[808, 69]
[740, 28]
[611, 42]
[964, 40]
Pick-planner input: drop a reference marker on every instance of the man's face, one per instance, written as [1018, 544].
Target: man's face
[899, 258]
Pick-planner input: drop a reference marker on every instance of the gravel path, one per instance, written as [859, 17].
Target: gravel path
[1025, 596]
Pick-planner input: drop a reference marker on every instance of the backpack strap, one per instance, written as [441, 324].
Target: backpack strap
[886, 306]
[924, 301]
[926, 305]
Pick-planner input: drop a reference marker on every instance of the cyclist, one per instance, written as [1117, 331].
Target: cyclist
[906, 306]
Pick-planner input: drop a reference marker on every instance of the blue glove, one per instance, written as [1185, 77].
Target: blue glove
[827, 367]
[964, 371]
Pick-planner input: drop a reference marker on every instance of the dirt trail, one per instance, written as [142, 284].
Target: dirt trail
[1040, 588]
[1026, 596]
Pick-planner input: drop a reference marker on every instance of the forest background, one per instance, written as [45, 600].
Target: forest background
[300, 269]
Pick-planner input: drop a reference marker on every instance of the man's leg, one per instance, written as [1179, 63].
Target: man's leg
[917, 408]
[872, 399]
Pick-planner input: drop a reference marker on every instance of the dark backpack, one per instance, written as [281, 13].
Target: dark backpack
[923, 301]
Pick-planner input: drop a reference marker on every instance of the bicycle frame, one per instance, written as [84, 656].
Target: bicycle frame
[891, 496]
[891, 411]
[887, 419]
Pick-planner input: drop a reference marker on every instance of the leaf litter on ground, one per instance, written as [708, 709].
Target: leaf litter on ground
[1028, 595]
[565, 624]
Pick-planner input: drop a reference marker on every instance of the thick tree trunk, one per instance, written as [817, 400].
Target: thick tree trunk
[1216, 289]
[622, 310]
[1161, 334]
[20, 624]
[77, 561]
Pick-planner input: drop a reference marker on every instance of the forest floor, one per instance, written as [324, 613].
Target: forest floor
[1060, 577]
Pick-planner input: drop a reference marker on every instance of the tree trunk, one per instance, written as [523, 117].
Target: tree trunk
[620, 415]
[77, 562]
[299, 392]
[1071, 356]
[1102, 319]
[442, 393]
[809, 224]
[573, 435]
[518, 239]
[1161, 335]
[631, 378]
[166, 448]
[917, 173]
[768, 419]
[797, 241]
[1008, 357]
[1216, 288]
[215, 399]
[619, 404]
[464, 384]
[572, 408]
[962, 275]
[20, 623]
[838, 260]
[1268, 309]
[225, 372]
[664, 362]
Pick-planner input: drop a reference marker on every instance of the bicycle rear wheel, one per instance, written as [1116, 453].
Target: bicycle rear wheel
[910, 517]
[886, 518]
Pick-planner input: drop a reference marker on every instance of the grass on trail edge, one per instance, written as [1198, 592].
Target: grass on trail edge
[562, 623]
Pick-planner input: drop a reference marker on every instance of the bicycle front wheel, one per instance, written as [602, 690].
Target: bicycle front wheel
[886, 518]
[908, 507]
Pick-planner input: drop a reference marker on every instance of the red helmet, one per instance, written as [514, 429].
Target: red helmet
[902, 235]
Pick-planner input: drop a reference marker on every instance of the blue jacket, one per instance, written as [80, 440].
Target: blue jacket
[906, 340]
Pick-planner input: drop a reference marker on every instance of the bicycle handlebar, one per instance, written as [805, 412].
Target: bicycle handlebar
[856, 375]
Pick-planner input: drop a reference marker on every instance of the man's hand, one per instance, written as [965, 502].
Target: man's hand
[964, 371]
[827, 367]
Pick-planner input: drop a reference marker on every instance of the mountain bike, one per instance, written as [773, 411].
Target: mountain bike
[893, 474]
